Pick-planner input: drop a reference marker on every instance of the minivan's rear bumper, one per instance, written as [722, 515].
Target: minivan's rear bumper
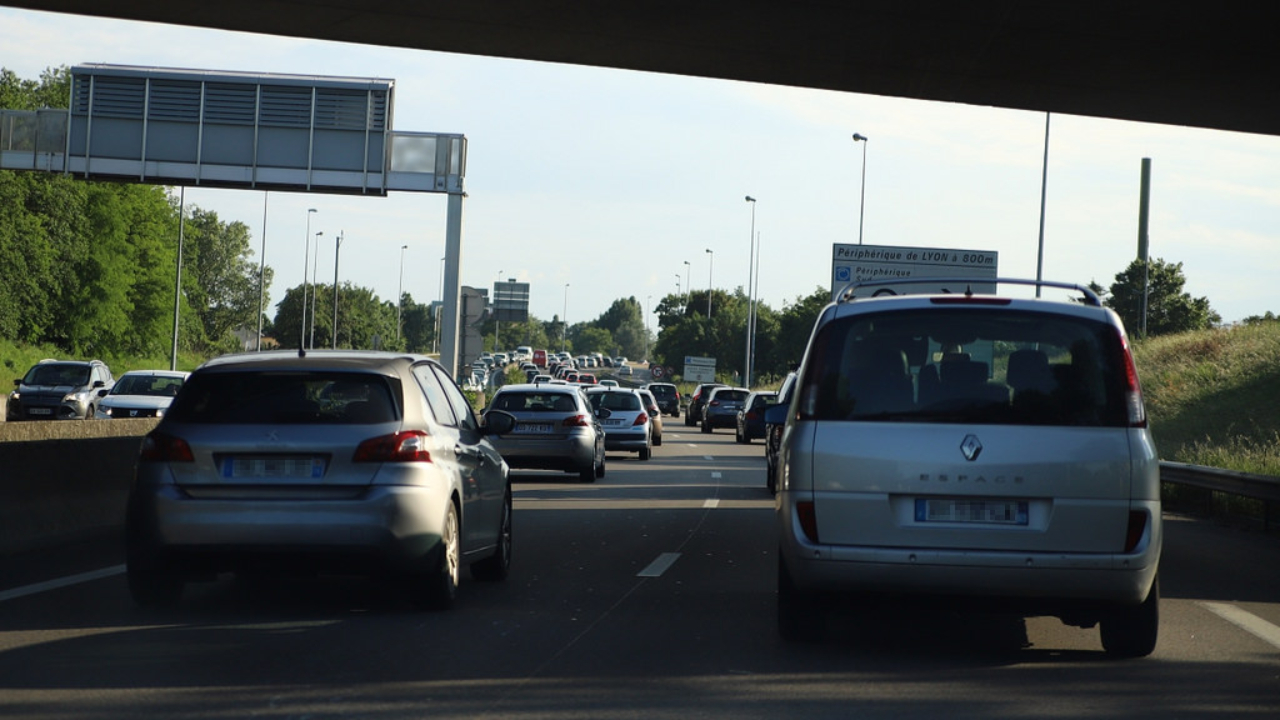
[1107, 578]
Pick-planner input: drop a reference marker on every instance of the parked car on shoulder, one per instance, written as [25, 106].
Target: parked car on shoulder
[346, 461]
[59, 390]
[971, 451]
[140, 394]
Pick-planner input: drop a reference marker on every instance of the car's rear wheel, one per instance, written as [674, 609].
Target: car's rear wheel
[645, 453]
[1131, 632]
[800, 615]
[437, 589]
[498, 565]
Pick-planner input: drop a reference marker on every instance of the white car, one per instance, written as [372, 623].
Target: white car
[140, 394]
[971, 451]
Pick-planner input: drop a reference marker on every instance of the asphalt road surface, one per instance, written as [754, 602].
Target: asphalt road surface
[648, 594]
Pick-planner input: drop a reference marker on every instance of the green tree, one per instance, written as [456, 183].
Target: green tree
[220, 278]
[1169, 309]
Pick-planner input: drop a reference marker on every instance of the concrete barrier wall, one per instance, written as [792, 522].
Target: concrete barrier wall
[64, 480]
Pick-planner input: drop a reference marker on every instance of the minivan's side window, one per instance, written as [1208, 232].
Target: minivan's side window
[436, 399]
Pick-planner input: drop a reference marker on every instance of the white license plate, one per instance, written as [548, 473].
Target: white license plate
[612, 423]
[539, 428]
[979, 511]
[40, 411]
[273, 466]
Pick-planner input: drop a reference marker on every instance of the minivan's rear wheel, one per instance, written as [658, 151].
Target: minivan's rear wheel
[1131, 631]
[438, 587]
[800, 615]
[498, 565]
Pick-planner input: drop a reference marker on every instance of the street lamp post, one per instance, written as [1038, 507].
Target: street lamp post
[648, 302]
[400, 292]
[862, 194]
[496, 321]
[439, 308]
[306, 261]
[262, 268]
[751, 260]
[679, 294]
[710, 265]
[314, 266]
[337, 247]
[687, 287]
[564, 318]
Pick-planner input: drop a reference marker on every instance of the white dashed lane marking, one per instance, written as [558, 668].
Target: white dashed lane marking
[659, 566]
[1246, 621]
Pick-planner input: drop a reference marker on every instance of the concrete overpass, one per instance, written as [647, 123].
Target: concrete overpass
[1206, 66]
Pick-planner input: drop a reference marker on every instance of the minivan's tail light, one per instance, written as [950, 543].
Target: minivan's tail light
[576, 421]
[641, 419]
[159, 447]
[808, 518]
[1133, 391]
[1137, 528]
[405, 446]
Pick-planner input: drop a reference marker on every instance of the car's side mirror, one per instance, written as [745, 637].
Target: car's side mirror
[103, 393]
[499, 422]
[776, 414]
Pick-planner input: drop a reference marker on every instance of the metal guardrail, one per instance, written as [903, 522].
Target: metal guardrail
[1259, 487]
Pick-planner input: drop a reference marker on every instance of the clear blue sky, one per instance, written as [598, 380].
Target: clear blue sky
[610, 180]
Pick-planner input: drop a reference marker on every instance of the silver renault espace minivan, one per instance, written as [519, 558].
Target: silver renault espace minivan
[971, 447]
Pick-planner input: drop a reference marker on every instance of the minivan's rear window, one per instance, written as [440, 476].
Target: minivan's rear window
[966, 365]
[286, 398]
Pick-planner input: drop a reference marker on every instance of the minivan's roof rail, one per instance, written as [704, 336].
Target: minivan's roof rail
[846, 293]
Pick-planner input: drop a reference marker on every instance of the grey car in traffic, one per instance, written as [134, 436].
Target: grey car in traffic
[353, 462]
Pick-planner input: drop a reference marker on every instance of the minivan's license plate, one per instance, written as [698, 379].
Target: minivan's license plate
[975, 511]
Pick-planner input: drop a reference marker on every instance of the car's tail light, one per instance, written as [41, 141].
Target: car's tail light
[641, 419]
[1133, 391]
[1137, 528]
[808, 520]
[576, 421]
[714, 403]
[159, 447]
[405, 446]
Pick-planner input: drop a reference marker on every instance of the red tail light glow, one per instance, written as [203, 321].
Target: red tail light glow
[808, 520]
[1133, 390]
[159, 447]
[1137, 527]
[576, 421]
[641, 419]
[406, 446]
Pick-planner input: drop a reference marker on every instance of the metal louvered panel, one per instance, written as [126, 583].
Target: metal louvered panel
[378, 110]
[119, 97]
[286, 106]
[231, 104]
[174, 100]
[81, 89]
[341, 109]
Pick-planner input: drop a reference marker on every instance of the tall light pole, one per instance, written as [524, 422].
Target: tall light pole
[679, 295]
[648, 303]
[337, 247]
[710, 266]
[439, 308]
[314, 266]
[687, 287]
[306, 262]
[400, 292]
[751, 269]
[862, 194]
[564, 318]
[496, 321]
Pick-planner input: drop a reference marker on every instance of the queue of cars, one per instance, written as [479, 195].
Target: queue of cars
[978, 451]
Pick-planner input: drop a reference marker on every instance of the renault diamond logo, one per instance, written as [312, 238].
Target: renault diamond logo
[971, 447]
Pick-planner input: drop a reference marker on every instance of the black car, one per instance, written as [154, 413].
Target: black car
[693, 415]
[775, 416]
[668, 397]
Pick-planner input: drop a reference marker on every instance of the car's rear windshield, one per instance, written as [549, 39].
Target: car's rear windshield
[662, 390]
[730, 396]
[535, 402]
[287, 398]
[966, 366]
[615, 400]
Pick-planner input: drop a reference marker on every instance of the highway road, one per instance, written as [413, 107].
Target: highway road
[648, 594]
